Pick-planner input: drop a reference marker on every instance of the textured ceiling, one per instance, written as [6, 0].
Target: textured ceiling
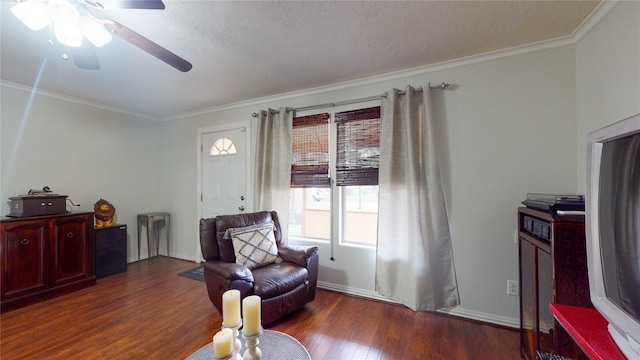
[242, 50]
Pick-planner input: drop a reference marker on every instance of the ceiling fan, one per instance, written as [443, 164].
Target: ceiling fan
[74, 24]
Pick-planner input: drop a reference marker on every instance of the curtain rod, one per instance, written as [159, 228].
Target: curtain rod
[358, 100]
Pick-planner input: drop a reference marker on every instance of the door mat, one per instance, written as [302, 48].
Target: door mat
[196, 273]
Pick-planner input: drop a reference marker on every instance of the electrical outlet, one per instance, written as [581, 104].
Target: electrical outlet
[513, 287]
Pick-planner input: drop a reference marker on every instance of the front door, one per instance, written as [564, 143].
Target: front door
[224, 172]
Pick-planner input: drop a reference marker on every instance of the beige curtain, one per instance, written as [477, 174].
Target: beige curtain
[414, 257]
[273, 163]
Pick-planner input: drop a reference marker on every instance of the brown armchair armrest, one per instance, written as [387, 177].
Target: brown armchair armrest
[297, 254]
[230, 271]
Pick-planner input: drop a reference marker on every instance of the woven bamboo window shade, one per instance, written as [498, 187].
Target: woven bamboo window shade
[358, 146]
[310, 153]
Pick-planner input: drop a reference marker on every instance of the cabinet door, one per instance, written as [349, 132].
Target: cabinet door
[72, 255]
[23, 258]
[536, 288]
[545, 297]
[528, 343]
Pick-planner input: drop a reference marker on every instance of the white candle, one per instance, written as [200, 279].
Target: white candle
[223, 343]
[231, 308]
[251, 314]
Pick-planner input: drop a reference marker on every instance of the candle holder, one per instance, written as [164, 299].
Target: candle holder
[237, 344]
[253, 352]
[228, 357]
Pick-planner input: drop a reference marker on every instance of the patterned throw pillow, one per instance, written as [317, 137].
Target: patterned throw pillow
[254, 246]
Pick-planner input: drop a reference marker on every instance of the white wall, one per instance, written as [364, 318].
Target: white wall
[508, 129]
[81, 151]
[492, 121]
[608, 76]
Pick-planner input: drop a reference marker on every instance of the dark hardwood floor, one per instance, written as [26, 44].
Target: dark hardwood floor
[151, 313]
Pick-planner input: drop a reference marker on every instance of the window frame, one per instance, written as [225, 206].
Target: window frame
[337, 209]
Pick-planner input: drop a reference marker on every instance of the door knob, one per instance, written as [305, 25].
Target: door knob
[242, 197]
[241, 208]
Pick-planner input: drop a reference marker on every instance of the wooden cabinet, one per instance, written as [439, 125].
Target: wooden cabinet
[43, 257]
[553, 268]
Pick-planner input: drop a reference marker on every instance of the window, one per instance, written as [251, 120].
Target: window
[358, 147]
[310, 214]
[350, 207]
[222, 146]
[310, 153]
[358, 154]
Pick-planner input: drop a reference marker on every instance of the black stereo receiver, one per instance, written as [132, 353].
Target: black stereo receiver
[537, 227]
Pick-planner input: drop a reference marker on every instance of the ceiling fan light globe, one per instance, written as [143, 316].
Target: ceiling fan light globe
[68, 33]
[34, 14]
[94, 31]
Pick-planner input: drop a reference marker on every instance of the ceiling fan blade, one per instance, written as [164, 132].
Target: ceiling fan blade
[127, 4]
[85, 56]
[147, 45]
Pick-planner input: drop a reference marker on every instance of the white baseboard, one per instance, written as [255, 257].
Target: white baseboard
[162, 254]
[455, 311]
[482, 317]
[354, 291]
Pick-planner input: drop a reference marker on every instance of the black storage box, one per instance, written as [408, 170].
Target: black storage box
[36, 205]
[111, 250]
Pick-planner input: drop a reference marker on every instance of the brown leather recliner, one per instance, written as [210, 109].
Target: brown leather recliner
[283, 286]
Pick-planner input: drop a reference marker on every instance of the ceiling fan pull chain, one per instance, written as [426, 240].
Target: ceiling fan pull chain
[50, 41]
[64, 55]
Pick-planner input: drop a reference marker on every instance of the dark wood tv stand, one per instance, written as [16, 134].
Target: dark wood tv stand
[553, 269]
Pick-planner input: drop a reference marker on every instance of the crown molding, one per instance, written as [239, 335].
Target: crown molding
[593, 19]
[581, 31]
[73, 99]
[474, 59]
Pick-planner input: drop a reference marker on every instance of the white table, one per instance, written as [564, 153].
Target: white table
[273, 344]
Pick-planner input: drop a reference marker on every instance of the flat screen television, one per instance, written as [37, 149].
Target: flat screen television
[613, 229]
